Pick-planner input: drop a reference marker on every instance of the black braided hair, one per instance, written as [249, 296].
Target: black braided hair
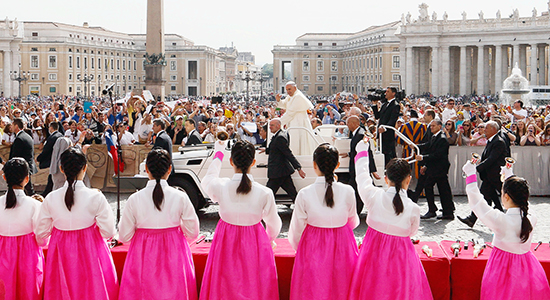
[518, 190]
[158, 164]
[398, 170]
[326, 158]
[15, 171]
[242, 154]
[73, 162]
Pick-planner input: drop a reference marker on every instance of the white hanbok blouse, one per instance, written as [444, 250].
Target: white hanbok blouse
[506, 226]
[176, 210]
[20, 220]
[379, 203]
[238, 209]
[310, 208]
[90, 207]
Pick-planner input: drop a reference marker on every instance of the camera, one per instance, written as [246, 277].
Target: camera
[376, 95]
[61, 106]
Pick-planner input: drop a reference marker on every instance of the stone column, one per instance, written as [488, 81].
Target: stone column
[154, 72]
[542, 64]
[515, 56]
[534, 64]
[480, 71]
[523, 60]
[498, 69]
[409, 71]
[445, 70]
[463, 70]
[436, 69]
[7, 70]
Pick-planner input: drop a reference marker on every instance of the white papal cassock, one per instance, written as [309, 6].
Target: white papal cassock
[301, 143]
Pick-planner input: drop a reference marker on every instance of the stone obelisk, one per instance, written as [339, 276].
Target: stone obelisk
[155, 61]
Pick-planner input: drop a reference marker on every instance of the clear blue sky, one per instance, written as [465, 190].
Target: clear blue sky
[251, 25]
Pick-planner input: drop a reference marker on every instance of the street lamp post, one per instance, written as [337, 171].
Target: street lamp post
[247, 76]
[19, 77]
[85, 78]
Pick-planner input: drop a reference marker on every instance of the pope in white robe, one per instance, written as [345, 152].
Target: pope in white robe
[296, 105]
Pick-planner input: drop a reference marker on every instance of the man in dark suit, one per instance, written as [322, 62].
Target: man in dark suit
[388, 115]
[23, 147]
[429, 116]
[492, 159]
[193, 136]
[435, 155]
[44, 159]
[357, 133]
[162, 139]
[281, 162]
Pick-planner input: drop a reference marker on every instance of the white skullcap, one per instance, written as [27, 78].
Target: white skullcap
[290, 83]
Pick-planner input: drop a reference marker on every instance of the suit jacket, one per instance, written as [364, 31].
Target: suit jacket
[194, 138]
[164, 141]
[492, 159]
[388, 115]
[435, 154]
[23, 147]
[281, 161]
[355, 139]
[45, 158]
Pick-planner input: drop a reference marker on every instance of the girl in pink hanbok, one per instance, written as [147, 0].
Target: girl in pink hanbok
[388, 266]
[513, 271]
[78, 219]
[157, 220]
[21, 259]
[321, 231]
[240, 264]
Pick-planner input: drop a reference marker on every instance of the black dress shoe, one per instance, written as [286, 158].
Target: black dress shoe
[466, 221]
[428, 215]
[446, 217]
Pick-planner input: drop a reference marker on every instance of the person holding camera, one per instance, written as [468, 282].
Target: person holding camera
[530, 139]
[388, 115]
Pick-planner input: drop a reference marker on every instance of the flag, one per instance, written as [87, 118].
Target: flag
[112, 148]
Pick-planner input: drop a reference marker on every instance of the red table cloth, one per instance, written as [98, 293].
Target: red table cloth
[437, 267]
[467, 271]
[438, 270]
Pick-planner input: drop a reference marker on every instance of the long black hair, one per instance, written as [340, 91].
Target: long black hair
[158, 164]
[15, 171]
[73, 161]
[518, 190]
[242, 154]
[326, 158]
[398, 170]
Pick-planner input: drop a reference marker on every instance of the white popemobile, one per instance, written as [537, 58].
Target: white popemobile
[191, 164]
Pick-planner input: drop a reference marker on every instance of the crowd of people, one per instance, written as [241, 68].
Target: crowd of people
[464, 121]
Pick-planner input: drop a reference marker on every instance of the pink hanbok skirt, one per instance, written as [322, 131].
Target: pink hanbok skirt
[514, 276]
[159, 265]
[240, 265]
[79, 265]
[324, 264]
[21, 267]
[389, 268]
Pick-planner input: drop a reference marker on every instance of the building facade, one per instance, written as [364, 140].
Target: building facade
[327, 63]
[56, 57]
[472, 56]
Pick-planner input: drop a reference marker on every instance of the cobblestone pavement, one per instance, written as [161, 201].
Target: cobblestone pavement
[430, 230]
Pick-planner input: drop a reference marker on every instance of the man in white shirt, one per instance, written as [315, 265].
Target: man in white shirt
[466, 111]
[518, 113]
[449, 113]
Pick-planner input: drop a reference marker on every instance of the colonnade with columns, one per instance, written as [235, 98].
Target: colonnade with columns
[468, 69]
